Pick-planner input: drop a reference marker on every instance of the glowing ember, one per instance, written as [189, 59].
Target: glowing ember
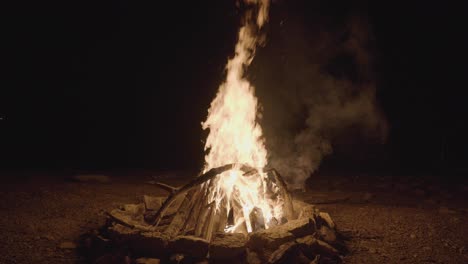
[236, 137]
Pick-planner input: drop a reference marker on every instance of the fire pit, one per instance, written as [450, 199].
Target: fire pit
[241, 212]
[187, 227]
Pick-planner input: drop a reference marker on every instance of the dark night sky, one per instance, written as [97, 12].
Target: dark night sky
[125, 84]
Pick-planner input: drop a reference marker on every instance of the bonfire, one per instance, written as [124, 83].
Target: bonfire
[237, 208]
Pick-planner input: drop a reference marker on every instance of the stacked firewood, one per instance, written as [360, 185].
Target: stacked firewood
[185, 224]
[197, 215]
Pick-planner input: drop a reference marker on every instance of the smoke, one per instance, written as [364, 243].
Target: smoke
[317, 86]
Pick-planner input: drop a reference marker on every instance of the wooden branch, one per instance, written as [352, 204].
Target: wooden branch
[200, 222]
[288, 206]
[166, 187]
[124, 222]
[223, 217]
[208, 226]
[181, 216]
[238, 213]
[196, 182]
[195, 211]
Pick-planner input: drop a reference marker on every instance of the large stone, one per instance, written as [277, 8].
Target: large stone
[143, 243]
[324, 218]
[299, 227]
[324, 249]
[286, 253]
[122, 234]
[307, 240]
[253, 257]
[225, 246]
[270, 238]
[312, 247]
[189, 245]
[273, 237]
[127, 217]
[151, 244]
[327, 234]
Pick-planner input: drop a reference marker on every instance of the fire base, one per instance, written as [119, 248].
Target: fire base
[310, 238]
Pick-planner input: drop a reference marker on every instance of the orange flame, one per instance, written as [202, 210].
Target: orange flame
[235, 136]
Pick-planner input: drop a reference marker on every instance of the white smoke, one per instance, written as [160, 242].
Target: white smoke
[307, 105]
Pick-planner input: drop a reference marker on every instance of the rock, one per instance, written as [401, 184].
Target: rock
[153, 202]
[176, 258]
[150, 244]
[327, 234]
[270, 238]
[93, 245]
[143, 243]
[253, 257]
[147, 261]
[189, 245]
[299, 227]
[315, 260]
[302, 259]
[323, 248]
[127, 217]
[312, 246]
[307, 240]
[121, 233]
[225, 246]
[67, 245]
[324, 218]
[273, 237]
[96, 178]
[286, 253]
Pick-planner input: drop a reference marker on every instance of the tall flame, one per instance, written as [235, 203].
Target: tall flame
[235, 136]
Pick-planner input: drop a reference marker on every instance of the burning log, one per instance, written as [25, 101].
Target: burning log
[222, 220]
[166, 187]
[288, 206]
[272, 230]
[256, 219]
[175, 192]
[200, 223]
[181, 216]
[208, 226]
[197, 227]
[197, 209]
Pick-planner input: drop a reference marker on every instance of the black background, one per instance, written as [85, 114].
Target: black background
[125, 84]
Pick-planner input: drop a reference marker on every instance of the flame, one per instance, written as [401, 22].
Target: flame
[236, 137]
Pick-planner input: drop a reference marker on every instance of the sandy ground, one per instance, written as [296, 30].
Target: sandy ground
[388, 219]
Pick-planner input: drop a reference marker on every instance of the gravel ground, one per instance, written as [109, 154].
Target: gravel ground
[388, 219]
